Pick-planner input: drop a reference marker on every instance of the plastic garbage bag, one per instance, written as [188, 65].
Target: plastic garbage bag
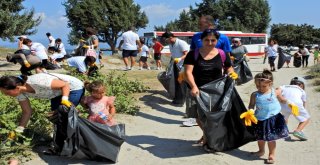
[89, 140]
[283, 57]
[243, 70]
[297, 60]
[219, 110]
[166, 78]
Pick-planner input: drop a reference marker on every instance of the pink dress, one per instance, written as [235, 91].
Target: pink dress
[99, 109]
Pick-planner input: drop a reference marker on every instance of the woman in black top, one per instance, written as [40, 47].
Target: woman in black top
[206, 64]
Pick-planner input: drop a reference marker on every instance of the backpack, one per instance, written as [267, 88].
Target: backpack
[221, 52]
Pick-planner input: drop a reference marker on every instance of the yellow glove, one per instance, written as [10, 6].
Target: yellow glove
[26, 64]
[233, 75]
[249, 117]
[231, 58]
[12, 135]
[176, 60]
[181, 77]
[85, 46]
[65, 101]
[294, 108]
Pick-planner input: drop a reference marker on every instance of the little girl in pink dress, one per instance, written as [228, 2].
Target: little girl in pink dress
[101, 108]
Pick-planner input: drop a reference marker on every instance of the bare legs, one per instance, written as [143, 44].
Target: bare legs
[272, 150]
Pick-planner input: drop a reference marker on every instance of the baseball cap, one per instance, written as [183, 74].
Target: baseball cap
[298, 79]
[236, 39]
[23, 36]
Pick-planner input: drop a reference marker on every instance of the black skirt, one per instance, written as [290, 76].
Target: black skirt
[271, 129]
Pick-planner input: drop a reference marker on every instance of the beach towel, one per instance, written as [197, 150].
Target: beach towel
[219, 109]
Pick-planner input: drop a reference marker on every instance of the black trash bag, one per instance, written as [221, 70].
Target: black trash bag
[297, 60]
[93, 71]
[88, 140]
[243, 71]
[167, 79]
[283, 57]
[191, 105]
[219, 110]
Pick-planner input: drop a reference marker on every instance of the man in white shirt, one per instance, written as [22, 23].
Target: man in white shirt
[131, 45]
[60, 47]
[179, 50]
[51, 40]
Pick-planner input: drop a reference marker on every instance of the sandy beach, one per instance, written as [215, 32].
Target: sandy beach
[155, 135]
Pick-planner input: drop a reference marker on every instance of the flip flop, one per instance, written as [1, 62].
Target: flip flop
[269, 161]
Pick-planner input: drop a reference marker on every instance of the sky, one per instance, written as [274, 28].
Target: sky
[159, 13]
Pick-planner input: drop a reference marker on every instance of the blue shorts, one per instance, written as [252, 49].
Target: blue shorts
[129, 53]
[74, 97]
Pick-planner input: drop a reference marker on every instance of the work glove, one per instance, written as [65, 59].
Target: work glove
[19, 129]
[26, 64]
[233, 75]
[65, 101]
[294, 108]
[177, 60]
[82, 40]
[12, 135]
[249, 117]
[85, 46]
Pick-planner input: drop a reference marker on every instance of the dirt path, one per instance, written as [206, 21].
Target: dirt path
[154, 136]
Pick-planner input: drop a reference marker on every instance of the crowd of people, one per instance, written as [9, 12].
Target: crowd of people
[209, 58]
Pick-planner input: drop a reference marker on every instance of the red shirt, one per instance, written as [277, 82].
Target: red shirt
[157, 47]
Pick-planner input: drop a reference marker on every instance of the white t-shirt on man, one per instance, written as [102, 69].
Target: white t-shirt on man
[130, 39]
[52, 41]
[77, 62]
[178, 48]
[39, 50]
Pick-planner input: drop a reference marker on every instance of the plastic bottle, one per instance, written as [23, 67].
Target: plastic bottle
[103, 116]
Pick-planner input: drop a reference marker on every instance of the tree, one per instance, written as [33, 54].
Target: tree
[234, 15]
[13, 22]
[289, 34]
[109, 17]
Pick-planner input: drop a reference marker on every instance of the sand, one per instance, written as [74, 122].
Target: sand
[155, 135]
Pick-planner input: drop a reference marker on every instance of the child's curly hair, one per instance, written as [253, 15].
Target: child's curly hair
[93, 86]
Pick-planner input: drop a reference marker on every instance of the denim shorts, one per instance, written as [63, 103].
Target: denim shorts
[74, 97]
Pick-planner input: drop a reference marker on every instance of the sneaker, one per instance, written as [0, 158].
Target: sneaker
[158, 68]
[190, 122]
[140, 68]
[149, 68]
[300, 135]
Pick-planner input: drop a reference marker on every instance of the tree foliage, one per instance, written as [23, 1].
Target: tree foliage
[109, 17]
[289, 34]
[234, 15]
[15, 21]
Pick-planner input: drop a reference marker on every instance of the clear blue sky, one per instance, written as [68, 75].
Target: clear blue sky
[161, 12]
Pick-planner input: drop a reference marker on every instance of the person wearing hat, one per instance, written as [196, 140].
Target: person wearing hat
[238, 50]
[294, 95]
[179, 50]
[20, 42]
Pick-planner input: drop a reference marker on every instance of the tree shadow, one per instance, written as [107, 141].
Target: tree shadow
[155, 102]
[159, 119]
[165, 148]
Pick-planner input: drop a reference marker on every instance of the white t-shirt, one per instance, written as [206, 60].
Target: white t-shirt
[272, 51]
[39, 50]
[77, 62]
[144, 50]
[130, 40]
[56, 55]
[295, 94]
[61, 47]
[41, 83]
[53, 41]
[25, 47]
[178, 48]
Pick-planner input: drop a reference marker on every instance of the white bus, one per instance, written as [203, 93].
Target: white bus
[254, 42]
